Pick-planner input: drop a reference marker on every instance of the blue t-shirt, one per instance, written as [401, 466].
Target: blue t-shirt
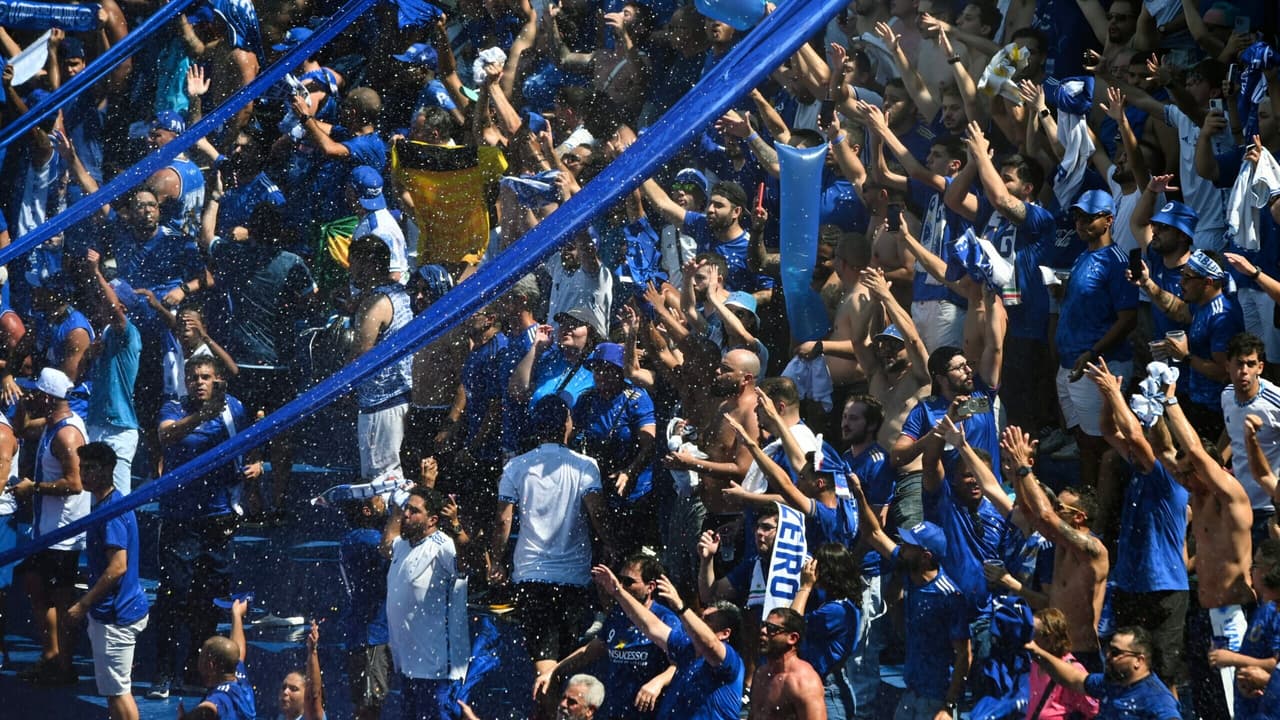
[234, 698]
[1169, 279]
[607, 428]
[114, 372]
[939, 226]
[734, 251]
[878, 478]
[158, 262]
[840, 205]
[1213, 324]
[1153, 530]
[434, 94]
[126, 603]
[837, 524]
[830, 634]
[1029, 319]
[1262, 640]
[936, 616]
[480, 381]
[217, 491]
[700, 691]
[979, 430]
[1147, 699]
[972, 539]
[364, 576]
[633, 660]
[1096, 293]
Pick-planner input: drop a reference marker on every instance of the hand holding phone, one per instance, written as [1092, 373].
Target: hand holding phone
[893, 217]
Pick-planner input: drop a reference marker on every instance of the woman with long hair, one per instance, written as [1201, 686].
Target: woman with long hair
[831, 629]
[1061, 703]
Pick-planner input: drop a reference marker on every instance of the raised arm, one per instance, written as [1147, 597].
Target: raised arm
[1064, 673]
[1259, 466]
[920, 93]
[1128, 439]
[313, 705]
[239, 608]
[980, 155]
[642, 617]
[870, 528]
[1017, 444]
[900, 317]
[778, 478]
[662, 202]
[1223, 485]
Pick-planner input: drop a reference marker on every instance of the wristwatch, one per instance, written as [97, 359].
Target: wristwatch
[1024, 471]
[1044, 112]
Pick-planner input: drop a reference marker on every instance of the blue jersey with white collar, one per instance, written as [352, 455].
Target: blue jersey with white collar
[1096, 293]
[1213, 324]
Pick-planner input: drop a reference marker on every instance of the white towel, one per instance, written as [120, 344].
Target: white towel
[812, 379]
[1256, 184]
[997, 79]
[486, 56]
[1077, 148]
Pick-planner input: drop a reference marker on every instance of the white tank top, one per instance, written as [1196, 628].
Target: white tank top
[53, 512]
[8, 505]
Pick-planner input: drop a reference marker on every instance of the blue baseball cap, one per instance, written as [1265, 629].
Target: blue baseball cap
[1177, 216]
[610, 353]
[891, 331]
[744, 300]
[71, 48]
[1095, 202]
[35, 97]
[928, 536]
[169, 120]
[368, 185]
[293, 38]
[691, 175]
[420, 54]
[436, 281]
[536, 122]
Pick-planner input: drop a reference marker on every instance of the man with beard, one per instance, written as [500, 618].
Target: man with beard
[422, 610]
[1127, 686]
[936, 615]
[860, 426]
[719, 229]
[151, 255]
[1220, 520]
[961, 393]
[1080, 561]
[637, 670]
[785, 686]
[934, 306]
[1215, 317]
[1167, 237]
[727, 459]
[688, 193]
[896, 364]
[579, 278]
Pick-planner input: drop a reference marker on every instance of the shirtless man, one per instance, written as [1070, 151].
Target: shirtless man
[896, 364]
[853, 312]
[785, 686]
[1221, 519]
[1080, 561]
[727, 459]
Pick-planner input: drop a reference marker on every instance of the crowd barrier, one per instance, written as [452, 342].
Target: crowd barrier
[95, 71]
[744, 67]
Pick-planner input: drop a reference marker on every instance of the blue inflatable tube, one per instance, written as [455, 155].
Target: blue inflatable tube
[121, 183]
[25, 15]
[96, 70]
[800, 180]
[766, 47]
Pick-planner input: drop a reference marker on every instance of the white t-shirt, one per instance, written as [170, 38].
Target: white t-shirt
[1208, 201]
[755, 481]
[1121, 233]
[383, 224]
[1266, 405]
[420, 582]
[547, 486]
[570, 289]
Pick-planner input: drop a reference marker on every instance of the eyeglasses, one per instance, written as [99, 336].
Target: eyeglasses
[957, 368]
[627, 580]
[1113, 651]
[772, 629]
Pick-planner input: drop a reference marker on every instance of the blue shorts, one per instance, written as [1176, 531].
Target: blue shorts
[8, 541]
[428, 699]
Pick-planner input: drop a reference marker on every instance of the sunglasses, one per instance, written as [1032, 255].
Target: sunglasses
[1113, 651]
[1072, 508]
[772, 629]
[686, 187]
[627, 580]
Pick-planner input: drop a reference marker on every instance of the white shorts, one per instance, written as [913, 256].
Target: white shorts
[380, 434]
[113, 655]
[940, 323]
[1081, 401]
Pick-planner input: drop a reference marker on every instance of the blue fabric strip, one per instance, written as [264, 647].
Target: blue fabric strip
[764, 49]
[95, 71]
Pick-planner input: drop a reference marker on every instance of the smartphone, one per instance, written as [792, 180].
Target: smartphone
[894, 212]
[1231, 74]
[1243, 25]
[826, 113]
[1135, 262]
[975, 405]
[1217, 104]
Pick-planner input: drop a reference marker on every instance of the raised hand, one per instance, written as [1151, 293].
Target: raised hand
[1114, 106]
[197, 83]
